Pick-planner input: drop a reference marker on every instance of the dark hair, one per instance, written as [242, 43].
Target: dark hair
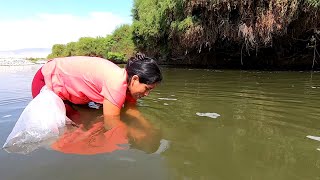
[145, 68]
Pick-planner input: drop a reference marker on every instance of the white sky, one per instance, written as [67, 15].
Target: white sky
[45, 30]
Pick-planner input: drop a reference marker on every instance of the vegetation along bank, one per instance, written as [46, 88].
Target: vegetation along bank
[255, 34]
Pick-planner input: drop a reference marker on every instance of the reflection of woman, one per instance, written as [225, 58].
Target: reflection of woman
[91, 141]
[80, 79]
[95, 139]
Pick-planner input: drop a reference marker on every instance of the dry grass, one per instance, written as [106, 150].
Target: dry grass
[253, 23]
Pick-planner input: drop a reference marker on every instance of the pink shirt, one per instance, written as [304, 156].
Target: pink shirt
[82, 79]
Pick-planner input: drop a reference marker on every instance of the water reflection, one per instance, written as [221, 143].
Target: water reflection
[92, 141]
[90, 137]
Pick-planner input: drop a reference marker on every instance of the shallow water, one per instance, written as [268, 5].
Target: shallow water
[220, 125]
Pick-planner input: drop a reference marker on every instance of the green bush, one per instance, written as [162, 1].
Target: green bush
[120, 41]
[116, 57]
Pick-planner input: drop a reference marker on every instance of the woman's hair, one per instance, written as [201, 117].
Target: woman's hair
[145, 68]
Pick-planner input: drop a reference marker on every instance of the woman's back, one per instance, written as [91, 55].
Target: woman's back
[81, 79]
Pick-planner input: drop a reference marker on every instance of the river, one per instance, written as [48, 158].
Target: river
[219, 124]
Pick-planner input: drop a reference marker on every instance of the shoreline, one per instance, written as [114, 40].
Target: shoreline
[10, 61]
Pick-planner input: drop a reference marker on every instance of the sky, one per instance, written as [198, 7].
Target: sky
[43, 23]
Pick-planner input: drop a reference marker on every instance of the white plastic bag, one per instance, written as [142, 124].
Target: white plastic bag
[39, 121]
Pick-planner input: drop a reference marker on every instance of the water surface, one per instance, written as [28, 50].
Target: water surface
[221, 124]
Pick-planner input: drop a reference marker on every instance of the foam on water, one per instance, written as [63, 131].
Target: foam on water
[210, 115]
[167, 99]
[317, 138]
[6, 116]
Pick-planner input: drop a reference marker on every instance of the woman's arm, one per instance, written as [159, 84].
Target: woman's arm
[112, 118]
[131, 110]
[111, 115]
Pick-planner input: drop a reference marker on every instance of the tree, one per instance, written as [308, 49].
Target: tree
[57, 51]
[86, 46]
[122, 41]
[70, 49]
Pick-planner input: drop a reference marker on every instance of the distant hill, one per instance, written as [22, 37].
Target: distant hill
[27, 53]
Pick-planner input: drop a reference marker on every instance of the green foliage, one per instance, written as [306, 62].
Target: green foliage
[116, 57]
[175, 28]
[57, 51]
[119, 42]
[86, 46]
[34, 59]
[70, 49]
[103, 46]
[152, 23]
[122, 41]
[315, 3]
[183, 25]
[146, 27]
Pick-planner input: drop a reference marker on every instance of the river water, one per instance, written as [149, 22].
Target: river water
[217, 124]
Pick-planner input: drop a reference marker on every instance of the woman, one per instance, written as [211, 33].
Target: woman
[81, 79]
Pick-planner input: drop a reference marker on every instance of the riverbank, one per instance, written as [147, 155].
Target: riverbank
[261, 61]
